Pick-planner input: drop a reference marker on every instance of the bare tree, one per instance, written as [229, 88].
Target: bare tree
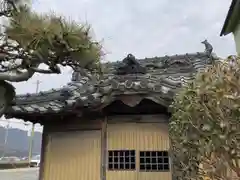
[29, 40]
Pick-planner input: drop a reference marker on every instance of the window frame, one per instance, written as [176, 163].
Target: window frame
[156, 163]
[122, 154]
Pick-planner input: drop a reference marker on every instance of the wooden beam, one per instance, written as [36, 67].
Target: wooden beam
[43, 150]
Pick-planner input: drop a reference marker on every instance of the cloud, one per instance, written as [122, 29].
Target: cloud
[144, 28]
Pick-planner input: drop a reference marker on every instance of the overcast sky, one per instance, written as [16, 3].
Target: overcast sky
[145, 28]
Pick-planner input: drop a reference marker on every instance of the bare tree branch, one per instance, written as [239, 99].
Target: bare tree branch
[16, 76]
[47, 71]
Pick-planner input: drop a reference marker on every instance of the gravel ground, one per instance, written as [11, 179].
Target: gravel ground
[19, 174]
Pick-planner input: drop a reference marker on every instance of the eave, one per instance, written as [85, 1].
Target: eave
[161, 80]
[232, 18]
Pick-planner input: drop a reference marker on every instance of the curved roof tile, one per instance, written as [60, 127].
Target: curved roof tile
[162, 77]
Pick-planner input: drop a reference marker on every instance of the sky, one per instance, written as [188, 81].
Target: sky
[143, 28]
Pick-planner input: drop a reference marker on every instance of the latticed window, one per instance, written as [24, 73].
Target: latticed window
[122, 160]
[154, 161]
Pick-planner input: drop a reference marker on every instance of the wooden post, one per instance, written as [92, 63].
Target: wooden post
[103, 149]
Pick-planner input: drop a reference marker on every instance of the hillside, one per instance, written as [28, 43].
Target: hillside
[18, 142]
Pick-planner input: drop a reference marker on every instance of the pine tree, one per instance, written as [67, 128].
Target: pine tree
[29, 40]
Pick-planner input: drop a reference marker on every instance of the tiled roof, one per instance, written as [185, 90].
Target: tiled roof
[163, 77]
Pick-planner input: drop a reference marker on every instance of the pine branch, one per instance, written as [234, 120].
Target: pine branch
[35, 39]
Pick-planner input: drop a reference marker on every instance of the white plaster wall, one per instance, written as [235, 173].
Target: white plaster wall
[237, 38]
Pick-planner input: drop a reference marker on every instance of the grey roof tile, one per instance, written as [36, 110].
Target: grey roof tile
[163, 77]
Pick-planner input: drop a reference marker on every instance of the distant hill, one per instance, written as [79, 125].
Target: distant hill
[18, 142]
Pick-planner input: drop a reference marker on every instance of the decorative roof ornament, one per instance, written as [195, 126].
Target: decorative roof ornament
[208, 47]
[171, 62]
[208, 51]
[157, 79]
[130, 65]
